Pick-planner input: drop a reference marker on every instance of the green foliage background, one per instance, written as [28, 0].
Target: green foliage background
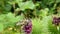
[42, 13]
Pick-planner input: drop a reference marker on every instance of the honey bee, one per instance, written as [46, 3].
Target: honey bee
[26, 25]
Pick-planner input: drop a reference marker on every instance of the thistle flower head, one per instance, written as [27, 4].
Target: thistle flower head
[28, 26]
[56, 20]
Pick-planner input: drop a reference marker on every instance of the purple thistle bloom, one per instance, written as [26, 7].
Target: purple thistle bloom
[59, 19]
[28, 27]
[56, 20]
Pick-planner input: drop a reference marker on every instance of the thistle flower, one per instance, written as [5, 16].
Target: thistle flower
[56, 20]
[28, 26]
[59, 19]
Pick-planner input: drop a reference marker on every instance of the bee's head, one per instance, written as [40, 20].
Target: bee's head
[23, 22]
[19, 23]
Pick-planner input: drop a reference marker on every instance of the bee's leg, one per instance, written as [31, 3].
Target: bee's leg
[22, 30]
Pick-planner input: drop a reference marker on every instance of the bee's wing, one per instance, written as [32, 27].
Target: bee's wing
[19, 23]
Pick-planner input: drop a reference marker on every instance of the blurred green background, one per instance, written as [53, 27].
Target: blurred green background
[41, 13]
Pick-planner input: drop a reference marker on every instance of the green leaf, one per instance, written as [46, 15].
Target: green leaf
[44, 25]
[1, 27]
[44, 12]
[18, 1]
[26, 5]
[57, 1]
